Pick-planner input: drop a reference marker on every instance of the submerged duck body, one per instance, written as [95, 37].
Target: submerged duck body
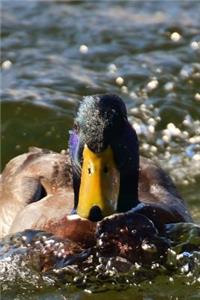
[101, 181]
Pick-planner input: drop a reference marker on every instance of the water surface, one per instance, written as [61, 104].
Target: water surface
[147, 52]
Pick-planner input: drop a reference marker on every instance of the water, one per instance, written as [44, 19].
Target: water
[30, 266]
[147, 52]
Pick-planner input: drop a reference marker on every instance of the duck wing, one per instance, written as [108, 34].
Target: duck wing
[159, 196]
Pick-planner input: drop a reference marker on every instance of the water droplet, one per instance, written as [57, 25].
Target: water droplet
[166, 138]
[124, 89]
[195, 45]
[6, 65]
[151, 129]
[112, 68]
[119, 80]
[175, 36]
[148, 247]
[169, 86]
[197, 97]
[196, 157]
[133, 95]
[152, 85]
[83, 49]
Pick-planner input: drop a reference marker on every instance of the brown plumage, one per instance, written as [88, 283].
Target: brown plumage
[36, 193]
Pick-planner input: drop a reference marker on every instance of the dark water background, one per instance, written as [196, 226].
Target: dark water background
[147, 52]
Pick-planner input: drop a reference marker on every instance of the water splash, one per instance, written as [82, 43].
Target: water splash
[38, 261]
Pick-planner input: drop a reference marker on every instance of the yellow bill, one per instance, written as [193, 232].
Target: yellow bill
[100, 182]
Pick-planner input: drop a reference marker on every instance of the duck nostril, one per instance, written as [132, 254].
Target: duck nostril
[95, 214]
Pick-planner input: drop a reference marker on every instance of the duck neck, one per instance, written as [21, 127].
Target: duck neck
[128, 194]
[126, 152]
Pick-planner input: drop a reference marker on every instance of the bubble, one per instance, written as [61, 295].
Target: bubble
[134, 110]
[6, 65]
[197, 96]
[187, 121]
[158, 70]
[158, 118]
[153, 149]
[63, 152]
[185, 182]
[112, 68]
[124, 89]
[195, 45]
[151, 121]
[185, 268]
[152, 85]
[100, 242]
[155, 266]
[143, 107]
[37, 242]
[185, 134]
[166, 138]
[148, 247]
[140, 129]
[194, 140]
[24, 238]
[88, 291]
[173, 130]
[43, 237]
[196, 157]
[119, 80]
[137, 266]
[133, 95]
[175, 37]
[83, 49]
[49, 242]
[145, 147]
[169, 86]
[151, 129]
[186, 71]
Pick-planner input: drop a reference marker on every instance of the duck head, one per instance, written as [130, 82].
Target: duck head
[105, 158]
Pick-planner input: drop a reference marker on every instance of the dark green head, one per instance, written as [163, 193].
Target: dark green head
[104, 142]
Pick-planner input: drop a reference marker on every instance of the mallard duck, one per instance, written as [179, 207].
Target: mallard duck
[68, 194]
[108, 174]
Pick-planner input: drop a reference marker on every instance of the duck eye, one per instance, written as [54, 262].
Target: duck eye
[89, 171]
[105, 170]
